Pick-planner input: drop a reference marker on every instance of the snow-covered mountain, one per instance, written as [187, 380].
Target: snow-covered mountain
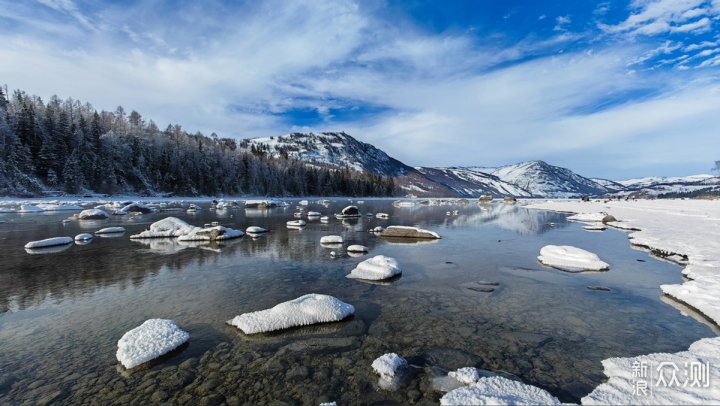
[331, 150]
[469, 183]
[543, 180]
[656, 180]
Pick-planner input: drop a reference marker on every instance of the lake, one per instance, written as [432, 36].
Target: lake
[62, 313]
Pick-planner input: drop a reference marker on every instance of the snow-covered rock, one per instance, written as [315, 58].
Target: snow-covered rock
[255, 230]
[135, 207]
[349, 211]
[259, 204]
[388, 364]
[313, 214]
[211, 234]
[110, 230]
[693, 387]
[465, 376]
[377, 268]
[408, 232]
[93, 214]
[295, 223]
[498, 391]
[331, 239]
[167, 227]
[150, 340]
[382, 215]
[378, 229]
[49, 242]
[570, 258]
[83, 237]
[305, 310]
[358, 248]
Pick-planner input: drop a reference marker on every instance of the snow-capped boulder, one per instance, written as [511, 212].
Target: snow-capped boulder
[388, 364]
[358, 248]
[49, 242]
[498, 391]
[83, 237]
[255, 230]
[110, 230]
[135, 207]
[485, 198]
[150, 340]
[408, 232]
[382, 216]
[377, 268]
[167, 227]
[303, 311]
[211, 234]
[331, 239]
[349, 211]
[295, 223]
[93, 214]
[313, 214]
[378, 229]
[572, 259]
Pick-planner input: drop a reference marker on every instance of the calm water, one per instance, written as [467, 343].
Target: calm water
[61, 314]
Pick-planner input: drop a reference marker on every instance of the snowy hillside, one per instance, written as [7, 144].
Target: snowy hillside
[608, 184]
[656, 180]
[470, 183]
[541, 179]
[332, 150]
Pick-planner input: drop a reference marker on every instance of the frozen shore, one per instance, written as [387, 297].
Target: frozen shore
[686, 232]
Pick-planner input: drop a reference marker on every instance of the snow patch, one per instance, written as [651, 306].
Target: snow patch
[497, 390]
[150, 340]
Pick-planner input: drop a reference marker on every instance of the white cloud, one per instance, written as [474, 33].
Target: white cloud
[561, 22]
[653, 17]
[667, 48]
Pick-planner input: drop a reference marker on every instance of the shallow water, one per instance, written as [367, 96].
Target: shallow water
[63, 312]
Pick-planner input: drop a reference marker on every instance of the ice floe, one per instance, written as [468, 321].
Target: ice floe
[695, 371]
[167, 227]
[150, 340]
[497, 390]
[571, 259]
[305, 310]
[49, 242]
[331, 239]
[110, 230]
[211, 234]
[408, 232]
[92, 214]
[377, 268]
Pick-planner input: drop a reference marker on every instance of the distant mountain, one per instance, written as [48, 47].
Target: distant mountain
[331, 150]
[543, 180]
[469, 183]
[656, 180]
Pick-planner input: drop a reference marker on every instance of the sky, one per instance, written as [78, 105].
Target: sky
[608, 89]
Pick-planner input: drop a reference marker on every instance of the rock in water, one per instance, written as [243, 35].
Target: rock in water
[599, 288]
[376, 268]
[93, 214]
[571, 259]
[408, 232]
[150, 340]
[303, 311]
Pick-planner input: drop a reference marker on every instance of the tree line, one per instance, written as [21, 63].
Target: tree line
[65, 146]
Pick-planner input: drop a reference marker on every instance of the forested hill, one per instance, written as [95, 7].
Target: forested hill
[67, 146]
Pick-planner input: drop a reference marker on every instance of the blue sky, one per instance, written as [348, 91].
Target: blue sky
[611, 89]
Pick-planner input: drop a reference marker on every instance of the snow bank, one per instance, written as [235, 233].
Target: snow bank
[620, 387]
[167, 227]
[49, 242]
[358, 248]
[588, 217]
[595, 227]
[150, 340]
[110, 230]
[57, 207]
[386, 365]
[83, 237]
[376, 268]
[408, 232]
[497, 390]
[29, 209]
[570, 258]
[93, 214]
[331, 239]
[211, 234]
[6, 210]
[303, 311]
[255, 230]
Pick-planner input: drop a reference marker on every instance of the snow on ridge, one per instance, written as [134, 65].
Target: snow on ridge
[654, 180]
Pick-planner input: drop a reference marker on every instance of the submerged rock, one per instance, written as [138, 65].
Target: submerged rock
[599, 288]
[408, 232]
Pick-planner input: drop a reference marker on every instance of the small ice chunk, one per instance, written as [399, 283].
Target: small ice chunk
[255, 230]
[358, 248]
[83, 237]
[386, 365]
[466, 376]
[93, 214]
[376, 268]
[49, 242]
[150, 340]
[331, 239]
[303, 311]
[110, 230]
[497, 390]
[571, 258]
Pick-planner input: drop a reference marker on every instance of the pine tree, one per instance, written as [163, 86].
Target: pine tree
[72, 174]
[52, 179]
